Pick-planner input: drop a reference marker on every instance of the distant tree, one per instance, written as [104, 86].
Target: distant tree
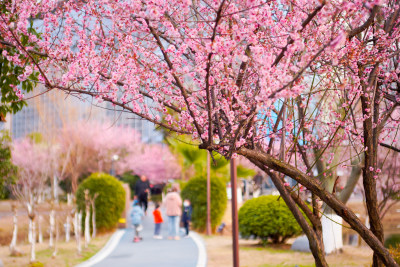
[35, 164]
[89, 147]
[154, 161]
[7, 168]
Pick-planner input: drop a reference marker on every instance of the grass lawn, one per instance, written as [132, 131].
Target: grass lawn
[66, 253]
[219, 253]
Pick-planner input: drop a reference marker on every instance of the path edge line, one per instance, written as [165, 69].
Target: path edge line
[105, 251]
[202, 258]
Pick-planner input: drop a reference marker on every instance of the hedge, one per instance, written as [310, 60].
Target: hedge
[196, 191]
[392, 241]
[110, 202]
[267, 217]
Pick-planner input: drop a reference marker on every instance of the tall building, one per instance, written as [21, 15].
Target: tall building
[147, 129]
[47, 112]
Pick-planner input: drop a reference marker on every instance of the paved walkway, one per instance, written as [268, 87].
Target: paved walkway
[152, 252]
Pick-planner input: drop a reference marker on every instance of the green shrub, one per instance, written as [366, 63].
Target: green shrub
[267, 217]
[392, 241]
[130, 179]
[110, 201]
[196, 191]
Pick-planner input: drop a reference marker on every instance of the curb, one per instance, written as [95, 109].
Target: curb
[202, 259]
[105, 251]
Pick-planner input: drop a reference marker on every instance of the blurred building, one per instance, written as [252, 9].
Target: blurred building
[147, 129]
[47, 112]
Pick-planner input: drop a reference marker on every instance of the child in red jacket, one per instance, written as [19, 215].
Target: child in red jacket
[158, 220]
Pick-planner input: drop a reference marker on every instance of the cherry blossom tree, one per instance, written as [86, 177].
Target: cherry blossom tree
[34, 162]
[239, 77]
[89, 147]
[154, 161]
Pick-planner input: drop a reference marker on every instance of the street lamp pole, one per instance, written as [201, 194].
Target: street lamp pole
[235, 226]
[114, 158]
[208, 225]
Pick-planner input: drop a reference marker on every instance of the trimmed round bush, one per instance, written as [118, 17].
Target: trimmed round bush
[196, 191]
[267, 217]
[110, 202]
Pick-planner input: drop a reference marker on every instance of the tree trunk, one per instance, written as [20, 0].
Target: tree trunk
[55, 189]
[74, 182]
[68, 228]
[93, 219]
[51, 228]
[40, 237]
[331, 200]
[32, 233]
[87, 219]
[315, 241]
[13, 244]
[68, 223]
[56, 242]
[369, 168]
[316, 246]
[77, 228]
[353, 179]
[80, 231]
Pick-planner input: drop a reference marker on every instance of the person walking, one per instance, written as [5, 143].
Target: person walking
[158, 220]
[173, 207]
[142, 189]
[186, 215]
[136, 220]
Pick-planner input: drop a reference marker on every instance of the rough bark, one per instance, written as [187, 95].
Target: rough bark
[315, 242]
[369, 182]
[325, 196]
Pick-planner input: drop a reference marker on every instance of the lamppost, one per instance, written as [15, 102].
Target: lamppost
[114, 158]
[235, 226]
[208, 224]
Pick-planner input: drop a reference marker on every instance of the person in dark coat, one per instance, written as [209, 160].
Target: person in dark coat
[186, 215]
[142, 189]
